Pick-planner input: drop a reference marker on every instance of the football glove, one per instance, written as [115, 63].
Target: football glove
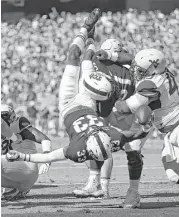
[44, 168]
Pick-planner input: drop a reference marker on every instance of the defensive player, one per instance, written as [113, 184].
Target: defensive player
[157, 88]
[17, 178]
[132, 149]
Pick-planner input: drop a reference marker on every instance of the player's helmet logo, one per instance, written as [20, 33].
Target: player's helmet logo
[98, 86]
[98, 144]
[147, 62]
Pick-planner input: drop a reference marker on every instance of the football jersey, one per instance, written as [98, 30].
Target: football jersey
[163, 95]
[26, 146]
[123, 86]
[78, 121]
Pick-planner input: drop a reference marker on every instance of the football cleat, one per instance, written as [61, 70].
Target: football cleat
[87, 191]
[13, 194]
[101, 194]
[132, 199]
[92, 19]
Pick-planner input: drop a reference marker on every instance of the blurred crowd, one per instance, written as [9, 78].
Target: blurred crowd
[33, 54]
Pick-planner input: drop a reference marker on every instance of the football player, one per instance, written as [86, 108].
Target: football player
[6, 133]
[88, 135]
[141, 125]
[113, 60]
[156, 87]
[18, 178]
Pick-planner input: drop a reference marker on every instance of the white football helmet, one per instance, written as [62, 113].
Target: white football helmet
[97, 86]
[148, 62]
[112, 45]
[98, 145]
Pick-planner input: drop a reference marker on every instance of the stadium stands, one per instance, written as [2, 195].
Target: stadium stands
[34, 51]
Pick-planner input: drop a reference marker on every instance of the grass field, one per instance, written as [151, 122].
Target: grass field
[52, 194]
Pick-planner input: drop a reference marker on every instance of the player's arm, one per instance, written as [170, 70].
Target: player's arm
[120, 57]
[53, 156]
[29, 132]
[146, 92]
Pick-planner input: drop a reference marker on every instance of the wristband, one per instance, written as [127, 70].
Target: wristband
[112, 56]
[46, 145]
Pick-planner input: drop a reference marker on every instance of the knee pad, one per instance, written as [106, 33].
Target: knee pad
[134, 158]
[135, 164]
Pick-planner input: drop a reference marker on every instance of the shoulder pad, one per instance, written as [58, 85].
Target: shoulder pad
[148, 88]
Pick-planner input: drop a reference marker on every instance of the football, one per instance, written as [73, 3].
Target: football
[111, 45]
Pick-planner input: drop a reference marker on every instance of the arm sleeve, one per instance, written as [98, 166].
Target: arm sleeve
[146, 92]
[135, 101]
[24, 123]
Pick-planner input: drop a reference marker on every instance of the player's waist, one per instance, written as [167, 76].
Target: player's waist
[75, 113]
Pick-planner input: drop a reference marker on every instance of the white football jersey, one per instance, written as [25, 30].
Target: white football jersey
[161, 93]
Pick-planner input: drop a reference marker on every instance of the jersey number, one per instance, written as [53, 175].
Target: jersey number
[83, 123]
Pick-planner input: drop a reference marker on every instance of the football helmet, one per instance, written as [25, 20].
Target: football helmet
[98, 144]
[7, 113]
[112, 45]
[97, 86]
[147, 62]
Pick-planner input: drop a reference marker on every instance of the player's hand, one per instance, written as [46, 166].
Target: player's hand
[44, 168]
[13, 155]
[102, 55]
[19, 138]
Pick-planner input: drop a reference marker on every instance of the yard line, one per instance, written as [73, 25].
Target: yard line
[150, 167]
[82, 183]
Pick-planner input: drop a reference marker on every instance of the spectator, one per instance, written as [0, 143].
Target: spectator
[33, 52]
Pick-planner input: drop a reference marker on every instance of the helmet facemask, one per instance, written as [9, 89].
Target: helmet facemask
[139, 73]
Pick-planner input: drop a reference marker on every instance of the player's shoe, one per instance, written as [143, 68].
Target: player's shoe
[92, 19]
[132, 199]
[101, 194]
[13, 194]
[88, 190]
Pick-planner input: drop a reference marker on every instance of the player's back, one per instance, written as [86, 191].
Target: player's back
[80, 119]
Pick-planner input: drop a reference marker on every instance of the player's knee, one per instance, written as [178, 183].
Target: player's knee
[74, 55]
[135, 164]
[134, 159]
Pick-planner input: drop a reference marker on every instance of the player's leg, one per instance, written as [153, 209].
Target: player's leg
[135, 166]
[100, 173]
[70, 81]
[19, 176]
[170, 155]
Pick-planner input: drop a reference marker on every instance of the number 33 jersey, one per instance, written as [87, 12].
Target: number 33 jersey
[163, 97]
[78, 121]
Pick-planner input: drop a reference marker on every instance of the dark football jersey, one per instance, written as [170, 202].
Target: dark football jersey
[122, 82]
[79, 121]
